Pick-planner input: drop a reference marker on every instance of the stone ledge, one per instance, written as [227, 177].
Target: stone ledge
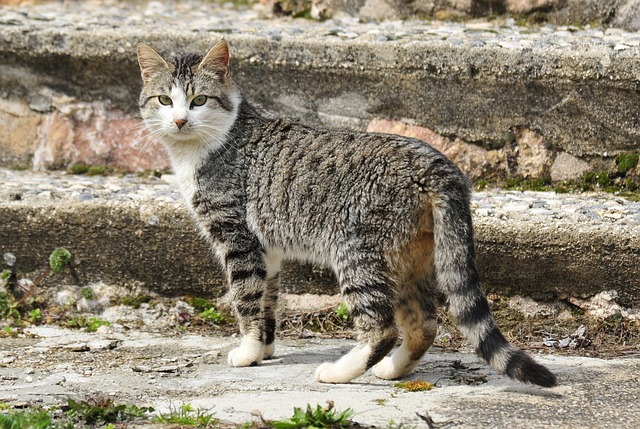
[128, 231]
[481, 85]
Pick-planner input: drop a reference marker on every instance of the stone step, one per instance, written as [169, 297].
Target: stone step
[498, 98]
[131, 230]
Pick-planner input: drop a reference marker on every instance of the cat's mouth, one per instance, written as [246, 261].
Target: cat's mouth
[182, 134]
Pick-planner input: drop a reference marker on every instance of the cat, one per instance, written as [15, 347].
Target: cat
[389, 214]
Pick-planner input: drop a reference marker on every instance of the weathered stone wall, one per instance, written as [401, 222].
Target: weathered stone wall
[501, 102]
[73, 132]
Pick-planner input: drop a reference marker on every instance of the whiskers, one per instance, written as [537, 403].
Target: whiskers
[215, 139]
[148, 134]
[205, 134]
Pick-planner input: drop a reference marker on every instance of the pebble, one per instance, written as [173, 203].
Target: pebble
[167, 368]
[7, 360]
[140, 368]
[77, 347]
[515, 206]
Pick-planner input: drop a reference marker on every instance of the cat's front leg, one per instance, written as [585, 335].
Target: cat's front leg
[270, 305]
[247, 273]
[270, 302]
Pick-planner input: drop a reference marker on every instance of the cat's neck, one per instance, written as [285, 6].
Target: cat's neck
[187, 156]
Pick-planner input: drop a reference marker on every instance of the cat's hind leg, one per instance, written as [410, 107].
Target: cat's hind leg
[373, 345]
[416, 316]
[368, 293]
[416, 303]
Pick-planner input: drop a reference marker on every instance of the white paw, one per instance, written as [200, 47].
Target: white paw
[386, 369]
[269, 350]
[249, 353]
[332, 373]
[326, 373]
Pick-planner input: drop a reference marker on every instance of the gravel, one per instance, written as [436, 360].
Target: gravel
[205, 17]
[587, 209]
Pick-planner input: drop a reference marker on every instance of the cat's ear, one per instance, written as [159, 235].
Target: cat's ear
[150, 61]
[217, 59]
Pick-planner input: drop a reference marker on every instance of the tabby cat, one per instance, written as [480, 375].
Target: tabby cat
[389, 214]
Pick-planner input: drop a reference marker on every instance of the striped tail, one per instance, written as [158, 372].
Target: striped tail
[458, 278]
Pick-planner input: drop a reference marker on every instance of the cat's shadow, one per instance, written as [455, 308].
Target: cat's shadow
[332, 354]
[307, 357]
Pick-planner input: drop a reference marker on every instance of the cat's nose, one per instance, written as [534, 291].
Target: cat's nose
[180, 122]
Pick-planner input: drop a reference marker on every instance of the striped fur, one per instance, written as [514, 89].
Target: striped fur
[390, 215]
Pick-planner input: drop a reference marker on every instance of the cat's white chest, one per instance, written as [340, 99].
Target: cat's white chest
[185, 161]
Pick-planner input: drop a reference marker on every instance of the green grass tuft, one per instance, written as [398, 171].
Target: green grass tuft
[37, 419]
[319, 417]
[187, 416]
[104, 410]
[343, 312]
[89, 324]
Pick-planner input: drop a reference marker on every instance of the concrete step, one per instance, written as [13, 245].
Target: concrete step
[165, 370]
[498, 98]
[130, 230]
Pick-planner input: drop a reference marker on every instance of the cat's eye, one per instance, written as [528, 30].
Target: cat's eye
[164, 100]
[199, 100]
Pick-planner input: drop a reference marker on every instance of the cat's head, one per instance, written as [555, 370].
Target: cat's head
[188, 100]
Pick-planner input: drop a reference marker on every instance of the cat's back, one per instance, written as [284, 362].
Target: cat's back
[293, 149]
[317, 182]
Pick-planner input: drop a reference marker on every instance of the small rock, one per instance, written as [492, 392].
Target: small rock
[484, 212]
[167, 368]
[542, 212]
[348, 34]
[103, 344]
[515, 207]
[77, 347]
[9, 258]
[8, 377]
[8, 360]
[510, 44]
[85, 197]
[614, 216]
[140, 368]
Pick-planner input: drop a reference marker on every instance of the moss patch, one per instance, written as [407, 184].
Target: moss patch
[626, 162]
[623, 184]
[90, 170]
[135, 301]
[414, 385]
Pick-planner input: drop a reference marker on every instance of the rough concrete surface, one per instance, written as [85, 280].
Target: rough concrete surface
[623, 13]
[163, 370]
[131, 230]
[479, 82]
